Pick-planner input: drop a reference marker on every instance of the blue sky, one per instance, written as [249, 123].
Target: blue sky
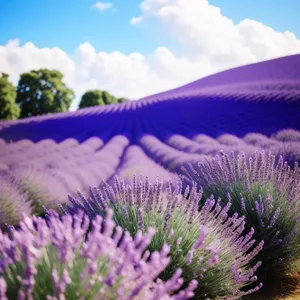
[67, 23]
[175, 42]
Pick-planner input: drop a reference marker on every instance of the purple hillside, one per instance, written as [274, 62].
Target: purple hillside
[244, 109]
[262, 98]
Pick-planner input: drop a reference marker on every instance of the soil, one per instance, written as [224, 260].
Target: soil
[286, 288]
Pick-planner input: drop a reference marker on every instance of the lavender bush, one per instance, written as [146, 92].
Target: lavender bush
[2, 143]
[268, 195]
[42, 187]
[205, 139]
[53, 260]
[186, 145]
[165, 155]
[136, 161]
[14, 147]
[12, 202]
[178, 223]
[289, 150]
[230, 140]
[203, 146]
[287, 135]
[260, 140]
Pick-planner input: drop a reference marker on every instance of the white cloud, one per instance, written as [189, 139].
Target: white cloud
[136, 20]
[211, 42]
[102, 6]
[203, 30]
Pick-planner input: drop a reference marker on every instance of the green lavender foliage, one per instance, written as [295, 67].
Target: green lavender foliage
[53, 259]
[188, 233]
[267, 194]
[178, 223]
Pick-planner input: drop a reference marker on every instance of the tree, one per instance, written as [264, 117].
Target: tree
[41, 92]
[97, 97]
[9, 110]
[91, 98]
[121, 100]
[108, 98]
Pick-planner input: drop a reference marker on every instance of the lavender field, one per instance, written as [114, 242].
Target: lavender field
[193, 193]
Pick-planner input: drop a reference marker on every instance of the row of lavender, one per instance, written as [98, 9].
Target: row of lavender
[42, 174]
[48, 171]
[218, 229]
[247, 231]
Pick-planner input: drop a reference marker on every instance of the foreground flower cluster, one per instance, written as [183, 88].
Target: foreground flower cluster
[208, 245]
[218, 233]
[53, 259]
[228, 226]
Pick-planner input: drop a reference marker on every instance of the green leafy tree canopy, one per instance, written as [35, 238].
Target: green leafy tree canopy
[97, 97]
[120, 100]
[9, 110]
[41, 92]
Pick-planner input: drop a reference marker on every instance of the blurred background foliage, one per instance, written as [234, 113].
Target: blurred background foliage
[41, 92]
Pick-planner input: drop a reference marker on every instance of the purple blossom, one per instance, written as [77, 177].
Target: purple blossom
[278, 211]
[145, 199]
[136, 273]
[200, 241]
[41, 186]
[274, 218]
[243, 204]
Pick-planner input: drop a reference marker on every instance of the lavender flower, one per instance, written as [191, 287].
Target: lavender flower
[135, 160]
[266, 193]
[54, 261]
[42, 187]
[167, 156]
[287, 135]
[209, 234]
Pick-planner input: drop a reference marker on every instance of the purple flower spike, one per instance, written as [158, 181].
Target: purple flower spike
[174, 213]
[200, 241]
[115, 269]
[265, 189]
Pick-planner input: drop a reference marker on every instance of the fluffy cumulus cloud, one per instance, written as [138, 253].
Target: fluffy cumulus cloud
[102, 6]
[211, 42]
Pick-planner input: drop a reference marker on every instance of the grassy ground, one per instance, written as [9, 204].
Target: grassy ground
[287, 288]
[292, 288]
